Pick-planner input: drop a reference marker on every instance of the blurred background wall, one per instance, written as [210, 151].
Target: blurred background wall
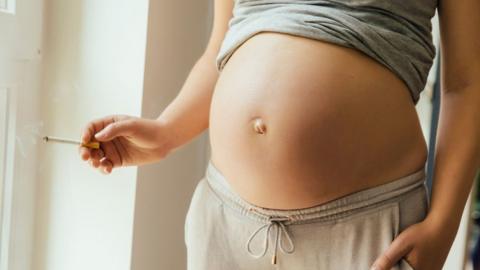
[93, 65]
[177, 35]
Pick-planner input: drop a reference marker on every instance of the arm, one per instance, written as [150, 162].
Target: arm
[127, 140]
[425, 245]
[188, 114]
[457, 156]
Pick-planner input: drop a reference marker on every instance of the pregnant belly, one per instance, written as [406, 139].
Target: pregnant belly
[296, 122]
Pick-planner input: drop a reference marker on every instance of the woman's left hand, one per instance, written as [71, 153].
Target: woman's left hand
[423, 245]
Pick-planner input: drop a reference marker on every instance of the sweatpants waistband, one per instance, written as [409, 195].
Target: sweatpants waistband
[327, 211]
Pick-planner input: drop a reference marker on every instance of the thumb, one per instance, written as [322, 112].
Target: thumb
[397, 250]
[114, 130]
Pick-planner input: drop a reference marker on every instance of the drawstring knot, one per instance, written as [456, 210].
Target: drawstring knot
[277, 222]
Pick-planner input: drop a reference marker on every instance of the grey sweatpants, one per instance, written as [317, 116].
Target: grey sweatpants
[225, 232]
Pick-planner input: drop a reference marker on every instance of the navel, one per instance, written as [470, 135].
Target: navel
[259, 126]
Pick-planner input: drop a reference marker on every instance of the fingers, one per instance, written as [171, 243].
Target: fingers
[98, 124]
[112, 154]
[397, 250]
[84, 153]
[89, 131]
[104, 159]
[106, 166]
[113, 130]
[94, 127]
[95, 156]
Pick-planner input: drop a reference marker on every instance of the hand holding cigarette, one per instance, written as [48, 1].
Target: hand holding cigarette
[125, 141]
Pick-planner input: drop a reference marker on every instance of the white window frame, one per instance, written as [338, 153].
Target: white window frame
[7, 158]
[3, 144]
[3, 138]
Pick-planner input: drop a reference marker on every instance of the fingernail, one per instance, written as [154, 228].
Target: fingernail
[374, 268]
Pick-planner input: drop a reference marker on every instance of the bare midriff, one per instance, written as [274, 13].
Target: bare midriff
[297, 122]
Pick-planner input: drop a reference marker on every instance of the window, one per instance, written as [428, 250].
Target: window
[3, 139]
[7, 6]
[6, 177]
[3, 161]
[3, 165]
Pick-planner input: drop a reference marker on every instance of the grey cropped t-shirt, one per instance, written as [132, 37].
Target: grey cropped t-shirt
[396, 33]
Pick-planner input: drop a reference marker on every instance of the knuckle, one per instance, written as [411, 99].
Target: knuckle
[87, 130]
[95, 122]
[121, 117]
[132, 122]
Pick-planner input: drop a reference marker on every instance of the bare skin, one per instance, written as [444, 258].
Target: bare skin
[307, 112]
[296, 122]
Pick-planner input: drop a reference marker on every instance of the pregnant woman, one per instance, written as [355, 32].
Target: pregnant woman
[318, 159]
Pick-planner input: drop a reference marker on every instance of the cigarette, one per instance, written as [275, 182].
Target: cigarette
[93, 145]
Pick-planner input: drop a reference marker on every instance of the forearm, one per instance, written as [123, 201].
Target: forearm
[457, 157]
[188, 114]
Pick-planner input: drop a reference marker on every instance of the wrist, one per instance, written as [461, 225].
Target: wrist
[437, 223]
[168, 135]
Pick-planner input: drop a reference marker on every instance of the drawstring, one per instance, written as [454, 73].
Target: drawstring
[276, 222]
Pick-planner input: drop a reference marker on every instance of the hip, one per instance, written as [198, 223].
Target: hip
[223, 231]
